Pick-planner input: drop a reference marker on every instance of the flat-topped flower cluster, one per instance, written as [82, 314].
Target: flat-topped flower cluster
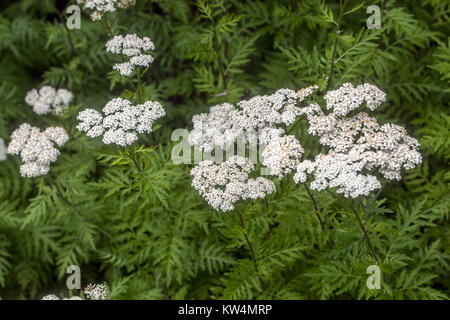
[134, 47]
[48, 99]
[91, 291]
[224, 184]
[265, 114]
[100, 7]
[37, 149]
[265, 118]
[357, 145]
[121, 122]
[358, 150]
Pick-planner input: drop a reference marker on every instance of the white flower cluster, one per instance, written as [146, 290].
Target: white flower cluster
[2, 150]
[305, 92]
[215, 128]
[347, 98]
[121, 121]
[222, 185]
[341, 170]
[92, 292]
[49, 99]
[100, 7]
[54, 297]
[269, 110]
[36, 148]
[132, 46]
[357, 144]
[282, 155]
[224, 123]
[96, 292]
[259, 120]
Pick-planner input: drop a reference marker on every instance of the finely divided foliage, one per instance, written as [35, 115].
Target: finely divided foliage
[336, 140]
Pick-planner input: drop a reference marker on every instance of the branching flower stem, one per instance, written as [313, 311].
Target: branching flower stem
[132, 157]
[316, 208]
[138, 86]
[338, 31]
[364, 231]
[361, 225]
[380, 39]
[109, 30]
[252, 252]
[69, 37]
[294, 125]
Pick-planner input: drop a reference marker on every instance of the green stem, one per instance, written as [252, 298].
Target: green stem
[109, 30]
[252, 252]
[366, 235]
[380, 39]
[316, 208]
[293, 126]
[333, 55]
[69, 37]
[132, 156]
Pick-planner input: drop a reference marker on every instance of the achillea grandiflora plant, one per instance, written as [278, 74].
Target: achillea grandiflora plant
[121, 121]
[358, 148]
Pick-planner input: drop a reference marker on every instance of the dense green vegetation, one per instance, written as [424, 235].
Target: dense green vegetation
[147, 234]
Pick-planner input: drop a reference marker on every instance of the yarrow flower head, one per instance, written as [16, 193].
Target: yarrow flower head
[37, 149]
[50, 297]
[269, 110]
[260, 120]
[341, 170]
[121, 121]
[256, 120]
[100, 7]
[54, 297]
[282, 155]
[305, 92]
[91, 291]
[96, 292]
[134, 47]
[48, 99]
[2, 150]
[215, 128]
[347, 98]
[358, 148]
[357, 144]
[222, 185]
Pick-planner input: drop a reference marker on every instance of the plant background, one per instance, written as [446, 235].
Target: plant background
[151, 236]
